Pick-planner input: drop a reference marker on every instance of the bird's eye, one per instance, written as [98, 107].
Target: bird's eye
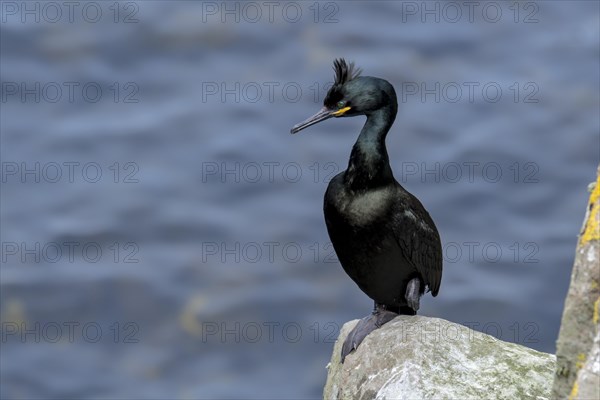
[341, 103]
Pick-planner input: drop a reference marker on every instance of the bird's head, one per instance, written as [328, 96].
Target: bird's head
[351, 95]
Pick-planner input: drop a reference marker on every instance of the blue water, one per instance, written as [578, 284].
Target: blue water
[197, 264]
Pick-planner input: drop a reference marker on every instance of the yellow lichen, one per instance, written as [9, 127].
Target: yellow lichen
[596, 311]
[580, 361]
[574, 391]
[592, 225]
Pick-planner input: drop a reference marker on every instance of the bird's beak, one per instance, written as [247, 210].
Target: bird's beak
[323, 114]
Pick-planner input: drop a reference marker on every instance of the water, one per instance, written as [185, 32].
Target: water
[197, 265]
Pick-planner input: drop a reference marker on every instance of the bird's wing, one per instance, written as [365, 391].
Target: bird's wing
[419, 241]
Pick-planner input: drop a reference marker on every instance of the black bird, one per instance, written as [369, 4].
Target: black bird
[383, 236]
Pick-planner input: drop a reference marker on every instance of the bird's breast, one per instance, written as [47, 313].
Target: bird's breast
[357, 209]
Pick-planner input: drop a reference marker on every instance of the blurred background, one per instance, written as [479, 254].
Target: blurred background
[162, 232]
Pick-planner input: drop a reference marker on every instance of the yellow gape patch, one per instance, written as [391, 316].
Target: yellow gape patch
[341, 111]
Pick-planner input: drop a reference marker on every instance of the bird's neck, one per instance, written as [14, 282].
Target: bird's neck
[369, 165]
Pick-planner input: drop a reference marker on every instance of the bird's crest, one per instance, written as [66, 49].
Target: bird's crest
[344, 72]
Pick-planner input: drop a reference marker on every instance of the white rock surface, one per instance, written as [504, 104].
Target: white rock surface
[415, 357]
[588, 378]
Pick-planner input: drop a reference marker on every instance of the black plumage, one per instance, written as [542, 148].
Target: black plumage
[383, 236]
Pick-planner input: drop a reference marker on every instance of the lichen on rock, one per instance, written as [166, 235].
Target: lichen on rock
[416, 357]
[577, 340]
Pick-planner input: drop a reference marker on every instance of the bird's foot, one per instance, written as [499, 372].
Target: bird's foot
[413, 293]
[365, 326]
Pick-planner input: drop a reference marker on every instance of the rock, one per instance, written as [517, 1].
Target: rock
[416, 357]
[587, 385]
[579, 325]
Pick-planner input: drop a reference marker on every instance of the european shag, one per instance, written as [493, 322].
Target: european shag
[383, 236]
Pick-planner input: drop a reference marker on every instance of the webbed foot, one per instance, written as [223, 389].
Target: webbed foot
[365, 326]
